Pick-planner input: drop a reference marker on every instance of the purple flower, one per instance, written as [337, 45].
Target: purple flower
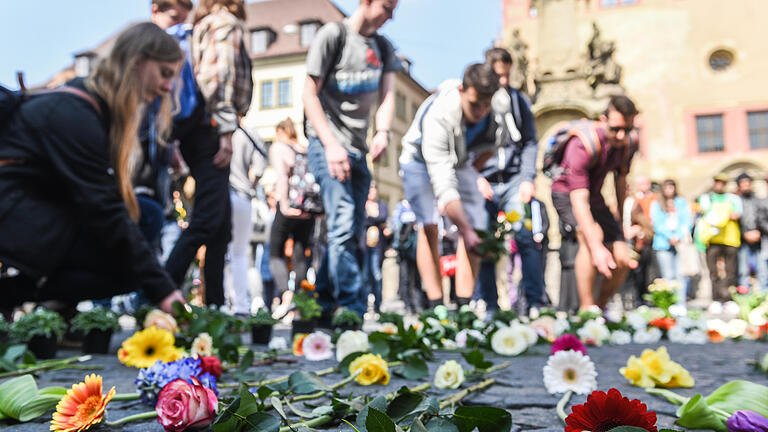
[747, 421]
[152, 379]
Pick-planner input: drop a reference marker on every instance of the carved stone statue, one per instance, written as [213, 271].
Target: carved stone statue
[519, 75]
[601, 68]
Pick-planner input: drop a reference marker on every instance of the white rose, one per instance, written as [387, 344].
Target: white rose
[161, 320]
[508, 341]
[650, 336]
[620, 337]
[757, 316]
[677, 334]
[736, 328]
[278, 343]
[351, 341]
[449, 375]
[463, 336]
[595, 332]
[561, 326]
[202, 345]
[531, 337]
[637, 321]
[696, 336]
[684, 322]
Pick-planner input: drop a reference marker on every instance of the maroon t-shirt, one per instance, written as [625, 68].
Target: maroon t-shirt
[577, 174]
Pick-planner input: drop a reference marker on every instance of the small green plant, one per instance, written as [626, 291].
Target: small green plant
[262, 317]
[505, 316]
[4, 327]
[97, 318]
[41, 322]
[346, 317]
[307, 305]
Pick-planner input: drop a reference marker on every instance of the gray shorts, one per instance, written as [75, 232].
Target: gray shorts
[420, 195]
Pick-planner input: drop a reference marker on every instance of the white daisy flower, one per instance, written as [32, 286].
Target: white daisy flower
[594, 332]
[620, 337]
[508, 341]
[570, 370]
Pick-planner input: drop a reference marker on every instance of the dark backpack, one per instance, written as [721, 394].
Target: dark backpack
[583, 129]
[303, 189]
[11, 100]
[338, 48]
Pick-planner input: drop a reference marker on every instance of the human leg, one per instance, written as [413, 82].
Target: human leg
[731, 255]
[428, 262]
[278, 266]
[585, 273]
[238, 250]
[745, 255]
[610, 286]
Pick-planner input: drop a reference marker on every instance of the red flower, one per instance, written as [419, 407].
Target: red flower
[605, 411]
[210, 364]
[568, 342]
[665, 323]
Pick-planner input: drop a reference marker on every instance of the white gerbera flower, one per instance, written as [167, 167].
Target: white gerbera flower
[650, 336]
[351, 341]
[677, 334]
[594, 332]
[202, 345]
[317, 346]
[620, 337]
[449, 375]
[570, 370]
[278, 343]
[561, 326]
[684, 322]
[508, 341]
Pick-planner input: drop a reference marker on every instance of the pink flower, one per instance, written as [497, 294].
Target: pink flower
[317, 346]
[181, 406]
[568, 342]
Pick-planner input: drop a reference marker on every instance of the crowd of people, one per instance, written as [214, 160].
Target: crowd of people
[90, 172]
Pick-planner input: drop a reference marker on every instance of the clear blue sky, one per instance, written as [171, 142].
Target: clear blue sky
[40, 36]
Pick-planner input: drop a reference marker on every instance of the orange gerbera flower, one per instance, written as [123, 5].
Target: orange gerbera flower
[82, 407]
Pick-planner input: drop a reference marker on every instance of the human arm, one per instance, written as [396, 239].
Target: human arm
[529, 151]
[455, 212]
[280, 157]
[384, 116]
[602, 258]
[620, 183]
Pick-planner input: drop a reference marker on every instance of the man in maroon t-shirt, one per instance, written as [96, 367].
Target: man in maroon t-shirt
[577, 197]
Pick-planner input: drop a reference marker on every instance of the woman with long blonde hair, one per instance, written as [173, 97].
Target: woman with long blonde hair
[68, 216]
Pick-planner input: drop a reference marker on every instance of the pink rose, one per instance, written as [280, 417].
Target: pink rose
[211, 364]
[181, 406]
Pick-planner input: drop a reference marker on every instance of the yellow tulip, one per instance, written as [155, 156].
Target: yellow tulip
[373, 369]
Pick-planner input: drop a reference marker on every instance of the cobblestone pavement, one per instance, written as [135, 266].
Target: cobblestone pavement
[519, 388]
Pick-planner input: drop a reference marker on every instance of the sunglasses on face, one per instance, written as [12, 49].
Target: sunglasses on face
[616, 129]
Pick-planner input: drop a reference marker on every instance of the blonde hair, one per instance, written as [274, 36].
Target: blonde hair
[206, 7]
[115, 80]
[287, 127]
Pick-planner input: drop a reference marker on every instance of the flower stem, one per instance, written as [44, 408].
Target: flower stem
[668, 395]
[562, 403]
[322, 372]
[126, 396]
[46, 365]
[457, 397]
[333, 387]
[130, 418]
[498, 367]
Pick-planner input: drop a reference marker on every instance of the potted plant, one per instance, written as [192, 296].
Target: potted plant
[347, 319]
[4, 329]
[97, 326]
[308, 312]
[41, 330]
[261, 326]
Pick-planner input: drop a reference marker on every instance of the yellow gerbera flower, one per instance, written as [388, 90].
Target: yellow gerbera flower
[82, 407]
[146, 347]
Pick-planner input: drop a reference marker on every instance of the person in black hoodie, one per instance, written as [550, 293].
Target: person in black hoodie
[68, 214]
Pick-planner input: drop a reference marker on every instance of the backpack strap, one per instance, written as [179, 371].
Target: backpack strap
[338, 48]
[587, 133]
[253, 141]
[70, 90]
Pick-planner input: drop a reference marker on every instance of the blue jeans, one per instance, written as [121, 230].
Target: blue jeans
[339, 280]
[749, 256]
[372, 276]
[670, 271]
[531, 253]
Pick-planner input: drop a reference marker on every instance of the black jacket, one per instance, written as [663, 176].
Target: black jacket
[63, 188]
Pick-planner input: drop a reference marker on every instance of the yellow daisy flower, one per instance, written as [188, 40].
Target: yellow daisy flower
[146, 347]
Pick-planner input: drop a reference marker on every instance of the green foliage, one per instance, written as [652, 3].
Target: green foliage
[21, 400]
[748, 302]
[10, 355]
[224, 329]
[41, 322]
[346, 317]
[485, 419]
[97, 318]
[4, 327]
[505, 316]
[307, 305]
[477, 359]
[245, 414]
[262, 317]
[711, 412]
[390, 317]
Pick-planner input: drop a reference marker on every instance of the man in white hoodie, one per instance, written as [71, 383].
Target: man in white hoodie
[454, 132]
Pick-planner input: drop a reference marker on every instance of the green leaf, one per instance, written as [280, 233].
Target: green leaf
[278, 406]
[418, 426]
[379, 403]
[304, 383]
[439, 424]
[60, 391]
[264, 392]
[695, 414]
[485, 419]
[245, 362]
[377, 421]
[404, 404]
[39, 406]
[628, 429]
[379, 345]
[415, 369]
[477, 359]
[740, 395]
[244, 405]
[15, 393]
[262, 422]
[346, 361]
[14, 352]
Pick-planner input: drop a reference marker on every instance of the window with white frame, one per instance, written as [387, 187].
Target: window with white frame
[284, 92]
[259, 41]
[268, 94]
[308, 32]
